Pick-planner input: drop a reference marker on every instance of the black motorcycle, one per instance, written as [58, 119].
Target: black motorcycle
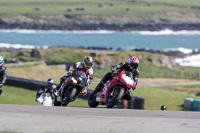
[72, 87]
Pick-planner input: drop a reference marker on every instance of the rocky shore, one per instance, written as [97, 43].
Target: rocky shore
[85, 22]
[100, 26]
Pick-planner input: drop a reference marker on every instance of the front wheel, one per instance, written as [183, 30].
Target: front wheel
[114, 97]
[69, 96]
[92, 100]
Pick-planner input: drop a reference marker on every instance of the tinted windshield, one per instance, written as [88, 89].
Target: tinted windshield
[129, 74]
[81, 74]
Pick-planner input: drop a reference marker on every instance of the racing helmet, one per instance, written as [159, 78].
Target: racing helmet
[1, 61]
[163, 107]
[133, 62]
[88, 62]
[50, 83]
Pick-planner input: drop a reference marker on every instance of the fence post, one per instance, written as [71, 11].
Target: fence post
[169, 74]
[153, 74]
[182, 74]
[199, 73]
[189, 75]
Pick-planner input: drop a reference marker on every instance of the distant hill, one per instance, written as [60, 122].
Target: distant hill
[121, 15]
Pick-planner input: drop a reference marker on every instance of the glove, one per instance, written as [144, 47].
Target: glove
[84, 91]
[134, 88]
[113, 68]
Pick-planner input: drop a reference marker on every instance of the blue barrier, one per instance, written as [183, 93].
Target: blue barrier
[191, 104]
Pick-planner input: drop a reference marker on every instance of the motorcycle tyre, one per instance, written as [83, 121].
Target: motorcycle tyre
[92, 100]
[70, 97]
[116, 99]
[57, 103]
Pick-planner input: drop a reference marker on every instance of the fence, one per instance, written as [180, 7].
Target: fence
[65, 65]
[171, 74]
[30, 84]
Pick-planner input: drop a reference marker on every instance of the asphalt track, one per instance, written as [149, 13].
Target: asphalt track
[33, 119]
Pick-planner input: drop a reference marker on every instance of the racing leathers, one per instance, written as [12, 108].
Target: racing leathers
[120, 67]
[3, 74]
[73, 69]
[45, 89]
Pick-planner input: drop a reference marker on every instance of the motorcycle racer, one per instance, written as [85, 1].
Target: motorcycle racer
[49, 87]
[85, 66]
[3, 73]
[131, 65]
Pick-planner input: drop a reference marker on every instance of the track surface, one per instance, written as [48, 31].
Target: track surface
[23, 118]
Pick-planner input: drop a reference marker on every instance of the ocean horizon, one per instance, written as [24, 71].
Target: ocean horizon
[156, 40]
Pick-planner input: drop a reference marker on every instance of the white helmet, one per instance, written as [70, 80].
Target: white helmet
[1, 61]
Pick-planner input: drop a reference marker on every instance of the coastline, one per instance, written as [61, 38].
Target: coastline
[85, 25]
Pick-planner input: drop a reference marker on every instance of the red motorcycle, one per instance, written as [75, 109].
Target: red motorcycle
[113, 91]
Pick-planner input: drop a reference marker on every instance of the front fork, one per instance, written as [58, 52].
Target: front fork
[64, 84]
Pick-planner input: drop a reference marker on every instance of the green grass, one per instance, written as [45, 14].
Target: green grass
[15, 95]
[8, 132]
[157, 96]
[11, 55]
[63, 55]
[59, 7]
[178, 2]
[8, 55]
[148, 70]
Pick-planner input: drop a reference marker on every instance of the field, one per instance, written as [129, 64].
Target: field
[137, 8]
[15, 95]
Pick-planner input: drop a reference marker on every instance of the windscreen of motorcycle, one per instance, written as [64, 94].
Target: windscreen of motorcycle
[129, 74]
[128, 77]
[82, 75]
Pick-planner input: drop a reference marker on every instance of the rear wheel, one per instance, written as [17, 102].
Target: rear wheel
[69, 96]
[114, 97]
[92, 100]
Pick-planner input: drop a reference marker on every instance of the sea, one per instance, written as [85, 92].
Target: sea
[167, 40]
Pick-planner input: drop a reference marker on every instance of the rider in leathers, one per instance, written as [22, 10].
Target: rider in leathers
[86, 67]
[3, 74]
[49, 87]
[131, 65]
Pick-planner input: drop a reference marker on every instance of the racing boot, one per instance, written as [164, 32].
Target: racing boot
[99, 86]
[128, 96]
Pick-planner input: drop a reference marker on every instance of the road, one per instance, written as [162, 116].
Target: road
[38, 119]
